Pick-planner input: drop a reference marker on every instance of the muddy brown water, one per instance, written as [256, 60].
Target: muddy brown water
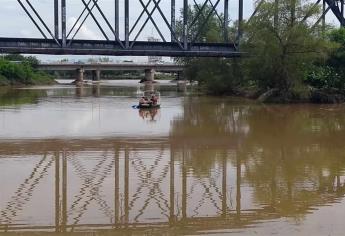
[82, 161]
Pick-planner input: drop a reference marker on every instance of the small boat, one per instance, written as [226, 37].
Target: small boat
[148, 106]
[149, 99]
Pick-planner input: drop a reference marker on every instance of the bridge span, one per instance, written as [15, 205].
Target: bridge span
[111, 66]
[123, 32]
[96, 68]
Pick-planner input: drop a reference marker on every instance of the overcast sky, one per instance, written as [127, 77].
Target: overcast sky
[15, 23]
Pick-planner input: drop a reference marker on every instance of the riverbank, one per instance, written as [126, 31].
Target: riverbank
[22, 73]
[308, 95]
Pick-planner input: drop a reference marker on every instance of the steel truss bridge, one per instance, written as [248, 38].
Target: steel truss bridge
[60, 39]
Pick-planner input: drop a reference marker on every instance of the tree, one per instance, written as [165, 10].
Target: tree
[214, 75]
[31, 60]
[337, 57]
[203, 26]
[283, 43]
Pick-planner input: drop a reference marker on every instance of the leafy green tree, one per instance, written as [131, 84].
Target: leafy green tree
[330, 74]
[214, 75]
[283, 44]
[287, 53]
[31, 60]
[203, 26]
[337, 57]
[19, 70]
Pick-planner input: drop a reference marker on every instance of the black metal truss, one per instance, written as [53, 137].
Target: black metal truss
[335, 6]
[61, 40]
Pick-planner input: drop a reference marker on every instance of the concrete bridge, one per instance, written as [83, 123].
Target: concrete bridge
[96, 68]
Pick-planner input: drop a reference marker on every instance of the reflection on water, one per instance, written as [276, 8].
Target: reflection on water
[205, 165]
[151, 114]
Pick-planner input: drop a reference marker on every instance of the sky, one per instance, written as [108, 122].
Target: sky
[15, 23]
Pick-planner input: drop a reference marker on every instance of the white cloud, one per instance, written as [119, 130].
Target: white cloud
[85, 32]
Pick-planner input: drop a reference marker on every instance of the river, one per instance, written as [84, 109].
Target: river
[83, 160]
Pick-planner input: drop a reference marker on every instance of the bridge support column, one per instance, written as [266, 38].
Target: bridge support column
[80, 76]
[149, 75]
[96, 75]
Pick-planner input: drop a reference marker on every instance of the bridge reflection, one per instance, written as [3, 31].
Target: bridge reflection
[152, 185]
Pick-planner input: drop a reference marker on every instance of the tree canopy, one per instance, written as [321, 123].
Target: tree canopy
[287, 50]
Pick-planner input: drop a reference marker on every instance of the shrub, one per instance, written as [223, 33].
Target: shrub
[22, 73]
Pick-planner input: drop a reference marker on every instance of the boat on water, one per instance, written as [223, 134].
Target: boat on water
[148, 106]
[149, 100]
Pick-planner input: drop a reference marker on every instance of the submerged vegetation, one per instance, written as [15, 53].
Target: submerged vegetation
[290, 58]
[19, 70]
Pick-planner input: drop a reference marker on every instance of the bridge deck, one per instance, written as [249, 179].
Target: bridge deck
[111, 48]
[110, 66]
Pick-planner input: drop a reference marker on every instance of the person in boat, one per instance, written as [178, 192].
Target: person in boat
[154, 100]
[143, 101]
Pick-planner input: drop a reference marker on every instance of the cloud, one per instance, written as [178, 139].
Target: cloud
[85, 32]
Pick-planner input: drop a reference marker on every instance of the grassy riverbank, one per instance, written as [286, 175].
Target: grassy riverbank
[17, 70]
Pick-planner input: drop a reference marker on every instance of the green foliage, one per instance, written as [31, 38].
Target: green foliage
[19, 70]
[202, 28]
[14, 57]
[283, 44]
[330, 74]
[337, 57]
[32, 61]
[4, 81]
[12, 71]
[325, 77]
[215, 76]
[337, 36]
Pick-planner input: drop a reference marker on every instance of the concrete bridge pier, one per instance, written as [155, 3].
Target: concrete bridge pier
[80, 75]
[96, 75]
[150, 75]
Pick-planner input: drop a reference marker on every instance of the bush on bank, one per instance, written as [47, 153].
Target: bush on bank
[21, 71]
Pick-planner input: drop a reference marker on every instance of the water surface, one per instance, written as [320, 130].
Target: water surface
[76, 160]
